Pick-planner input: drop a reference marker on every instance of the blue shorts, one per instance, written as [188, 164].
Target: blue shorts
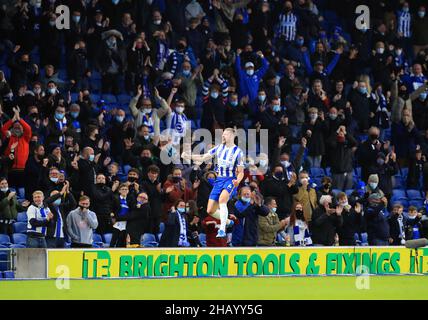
[221, 184]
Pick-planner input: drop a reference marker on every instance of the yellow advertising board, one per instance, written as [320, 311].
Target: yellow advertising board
[202, 262]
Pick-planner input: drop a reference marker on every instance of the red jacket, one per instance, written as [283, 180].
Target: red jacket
[211, 232]
[23, 148]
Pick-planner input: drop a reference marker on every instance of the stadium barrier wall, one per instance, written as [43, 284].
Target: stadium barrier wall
[217, 262]
[30, 263]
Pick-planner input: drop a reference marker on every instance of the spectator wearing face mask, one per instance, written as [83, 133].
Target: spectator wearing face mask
[413, 225]
[19, 134]
[144, 114]
[177, 228]
[111, 63]
[249, 79]
[298, 230]
[207, 179]
[270, 225]
[352, 220]
[213, 109]
[281, 188]
[420, 25]
[235, 111]
[247, 208]
[405, 138]
[151, 185]
[386, 167]
[326, 222]
[377, 220]
[60, 204]
[342, 146]
[307, 196]
[9, 207]
[84, 171]
[39, 219]
[124, 202]
[314, 131]
[360, 103]
[176, 188]
[103, 204]
[289, 165]
[382, 64]
[368, 151]
[396, 226]
[59, 126]
[326, 189]
[81, 224]
[190, 83]
[419, 114]
[372, 187]
[137, 221]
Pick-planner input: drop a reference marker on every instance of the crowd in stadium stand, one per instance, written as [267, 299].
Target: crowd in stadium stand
[84, 111]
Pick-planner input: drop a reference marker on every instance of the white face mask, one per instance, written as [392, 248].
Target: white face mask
[250, 72]
[263, 163]
[4, 189]
[286, 163]
[179, 109]
[380, 50]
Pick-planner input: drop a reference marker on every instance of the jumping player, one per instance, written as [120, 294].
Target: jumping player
[229, 165]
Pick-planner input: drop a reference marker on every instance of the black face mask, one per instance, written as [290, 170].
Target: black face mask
[101, 184]
[176, 179]
[373, 137]
[40, 157]
[132, 179]
[327, 186]
[299, 214]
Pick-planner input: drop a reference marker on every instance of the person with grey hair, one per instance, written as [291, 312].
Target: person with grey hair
[326, 221]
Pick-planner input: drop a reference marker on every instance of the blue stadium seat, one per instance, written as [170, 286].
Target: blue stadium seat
[404, 172]
[416, 203]
[19, 238]
[8, 275]
[95, 97]
[328, 171]
[96, 75]
[398, 182]
[413, 194]
[5, 240]
[109, 98]
[124, 99]
[161, 227]
[4, 258]
[364, 239]
[349, 191]
[74, 96]
[159, 236]
[149, 240]
[20, 227]
[17, 246]
[107, 239]
[62, 74]
[22, 217]
[97, 240]
[398, 193]
[317, 172]
[203, 239]
[358, 172]
[336, 192]
[294, 149]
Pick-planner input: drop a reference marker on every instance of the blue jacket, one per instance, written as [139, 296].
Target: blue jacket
[377, 223]
[246, 233]
[249, 85]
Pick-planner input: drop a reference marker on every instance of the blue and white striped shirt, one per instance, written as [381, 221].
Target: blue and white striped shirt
[40, 214]
[227, 159]
[287, 26]
[404, 23]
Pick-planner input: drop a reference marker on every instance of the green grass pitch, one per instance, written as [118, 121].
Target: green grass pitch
[282, 288]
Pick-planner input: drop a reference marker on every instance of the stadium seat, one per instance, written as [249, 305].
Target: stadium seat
[107, 239]
[109, 98]
[358, 172]
[413, 194]
[22, 217]
[5, 240]
[404, 172]
[74, 97]
[349, 191]
[20, 227]
[317, 172]
[124, 99]
[398, 182]
[95, 97]
[328, 171]
[97, 240]
[416, 203]
[95, 75]
[8, 275]
[203, 239]
[398, 193]
[17, 246]
[149, 240]
[19, 238]
[161, 227]
[4, 260]
[336, 192]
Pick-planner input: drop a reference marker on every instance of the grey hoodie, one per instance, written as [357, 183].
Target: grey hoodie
[80, 226]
